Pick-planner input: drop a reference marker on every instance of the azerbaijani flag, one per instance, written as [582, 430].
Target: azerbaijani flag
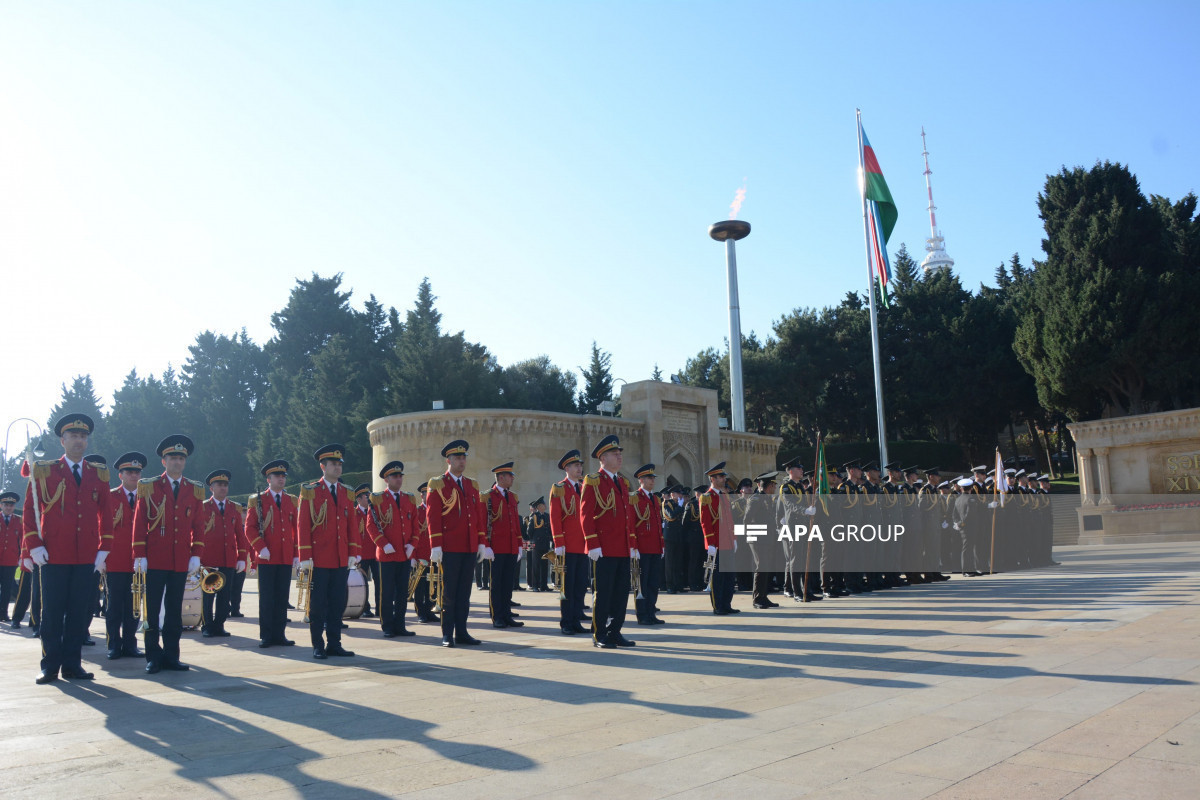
[881, 214]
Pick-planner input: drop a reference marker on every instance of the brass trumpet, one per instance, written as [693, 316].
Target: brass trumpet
[211, 580]
[414, 578]
[139, 599]
[437, 585]
[635, 577]
[558, 569]
[710, 566]
[304, 589]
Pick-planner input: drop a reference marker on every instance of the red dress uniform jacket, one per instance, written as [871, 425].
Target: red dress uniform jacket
[396, 524]
[504, 521]
[76, 520]
[566, 526]
[224, 535]
[120, 558]
[421, 533]
[277, 524]
[327, 531]
[167, 531]
[366, 548]
[10, 540]
[716, 519]
[607, 514]
[647, 520]
[456, 522]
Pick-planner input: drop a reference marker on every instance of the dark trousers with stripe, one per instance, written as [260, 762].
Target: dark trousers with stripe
[651, 569]
[611, 601]
[67, 591]
[576, 576]
[722, 584]
[373, 570]
[119, 624]
[327, 605]
[164, 590]
[8, 582]
[392, 599]
[29, 597]
[215, 607]
[274, 584]
[504, 568]
[422, 603]
[235, 591]
[458, 575]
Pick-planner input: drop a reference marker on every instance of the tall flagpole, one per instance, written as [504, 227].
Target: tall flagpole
[862, 186]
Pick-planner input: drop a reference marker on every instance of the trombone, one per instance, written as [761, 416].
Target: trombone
[414, 578]
[635, 578]
[437, 585]
[139, 600]
[558, 569]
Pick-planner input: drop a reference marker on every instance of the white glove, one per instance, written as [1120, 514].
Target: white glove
[351, 562]
[100, 557]
[241, 566]
[560, 551]
[993, 504]
[435, 555]
[712, 551]
[479, 551]
[388, 549]
[193, 565]
[140, 565]
[39, 556]
[735, 545]
[264, 554]
[594, 554]
[956, 527]
[28, 564]
[489, 554]
[633, 553]
[408, 551]
[306, 564]
[810, 511]
[412, 563]
[296, 563]
[945, 525]
[421, 561]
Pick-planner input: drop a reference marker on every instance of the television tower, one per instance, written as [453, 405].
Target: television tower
[935, 246]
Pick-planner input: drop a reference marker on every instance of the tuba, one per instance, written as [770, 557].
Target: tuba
[211, 580]
[414, 578]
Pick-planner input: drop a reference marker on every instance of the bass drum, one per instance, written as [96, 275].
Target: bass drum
[356, 594]
[192, 608]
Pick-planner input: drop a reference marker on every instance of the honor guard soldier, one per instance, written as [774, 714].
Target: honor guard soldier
[366, 547]
[391, 528]
[168, 540]
[271, 520]
[10, 549]
[693, 538]
[566, 529]
[503, 515]
[120, 625]
[68, 535]
[224, 551]
[648, 528]
[327, 543]
[456, 539]
[674, 549]
[422, 603]
[760, 510]
[537, 535]
[716, 520]
[607, 518]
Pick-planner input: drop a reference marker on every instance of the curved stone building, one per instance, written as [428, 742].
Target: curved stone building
[673, 426]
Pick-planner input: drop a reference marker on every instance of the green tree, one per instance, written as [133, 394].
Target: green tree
[597, 382]
[538, 385]
[79, 398]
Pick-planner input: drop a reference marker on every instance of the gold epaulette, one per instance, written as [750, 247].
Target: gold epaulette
[705, 499]
[556, 490]
[146, 487]
[633, 495]
[435, 484]
[200, 490]
[410, 496]
[308, 491]
[101, 471]
[41, 469]
[376, 499]
[252, 502]
[470, 482]
[591, 479]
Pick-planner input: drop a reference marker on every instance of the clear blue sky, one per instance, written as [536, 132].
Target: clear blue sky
[551, 166]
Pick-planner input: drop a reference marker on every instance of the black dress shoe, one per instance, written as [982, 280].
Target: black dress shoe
[345, 625]
[291, 607]
[604, 645]
[471, 640]
[338, 650]
[762, 606]
[405, 632]
[515, 614]
[733, 611]
[175, 666]
[89, 642]
[236, 615]
[207, 634]
[389, 634]
[515, 604]
[319, 653]
[114, 654]
[34, 630]
[153, 668]
[368, 615]
[621, 641]
[516, 623]
[132, 652]
[223, 633]
[263, 644]
[585, 618]
[16, 623]
[720, 612]
[46, 676]
[579, 628]
[568, 631]
[447, 642]
[499, 624]
[77, 674]
[657, 621]
[283, 642]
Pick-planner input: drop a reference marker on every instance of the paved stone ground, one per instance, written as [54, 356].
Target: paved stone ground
[1082, 681]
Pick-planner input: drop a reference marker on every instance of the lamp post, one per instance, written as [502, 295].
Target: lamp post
[31, 449]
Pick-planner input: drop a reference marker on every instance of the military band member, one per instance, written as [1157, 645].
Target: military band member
[120, 625]
[502, 514]
[716, 520]
[168, 541]
[73, 508]
[566, 528]
[537, 535]
[836, 580]
[271, 520]
[693, 539]
[327, 544]
[29, 592]
[759, 511]
[456, 537]
[366, 547]
[224, 550]
[10, 549]
[391, 528]
[608, 531]
[648, 528]
[422, 602]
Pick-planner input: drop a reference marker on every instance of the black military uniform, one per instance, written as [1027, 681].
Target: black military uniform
[537, 534]
[674, 550]
[693, 542]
